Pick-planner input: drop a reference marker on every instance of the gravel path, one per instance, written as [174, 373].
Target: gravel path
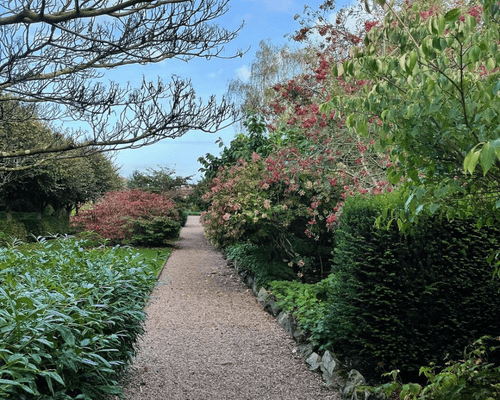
[208, 338]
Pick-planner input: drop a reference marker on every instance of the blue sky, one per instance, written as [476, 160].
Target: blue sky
[264, 19]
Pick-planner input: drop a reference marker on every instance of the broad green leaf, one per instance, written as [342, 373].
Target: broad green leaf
[487, 157]
[66, 334]
[471, 160]
[490, 63]
[496, 88]
[434, 207]
[452, 15]
[402, 62]
[441, 24]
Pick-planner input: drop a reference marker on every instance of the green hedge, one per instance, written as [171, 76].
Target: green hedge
[402, 301]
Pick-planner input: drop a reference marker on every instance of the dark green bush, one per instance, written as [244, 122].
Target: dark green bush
[402, 301]
[258, 260]
[152, 232]
[26, 226]
[183, 216]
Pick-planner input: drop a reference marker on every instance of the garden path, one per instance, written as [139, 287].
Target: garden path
[208, 338]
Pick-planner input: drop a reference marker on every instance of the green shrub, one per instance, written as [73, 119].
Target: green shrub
[474, 377]
[183, 216]
[258, 260]
[405, 301]
[91, 239]
[154, 231]
[12, 230]
[308, 303]
[69, 319]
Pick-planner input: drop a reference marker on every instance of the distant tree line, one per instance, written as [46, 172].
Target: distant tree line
[61, 184]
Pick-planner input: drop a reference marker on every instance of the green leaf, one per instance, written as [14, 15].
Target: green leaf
[66, 334]
[487, 157]
[471, 160]
[496, 88]
[434, 207]
[490, 64]
[452, 15]
[413, 61]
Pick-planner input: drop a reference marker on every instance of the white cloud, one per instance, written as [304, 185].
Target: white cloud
[243, 73]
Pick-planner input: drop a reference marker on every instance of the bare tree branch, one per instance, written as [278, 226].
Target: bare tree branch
[53, 54]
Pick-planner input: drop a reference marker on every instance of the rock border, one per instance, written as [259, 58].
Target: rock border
[351, 385]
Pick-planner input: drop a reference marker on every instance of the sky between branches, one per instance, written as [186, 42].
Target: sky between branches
[264, 19]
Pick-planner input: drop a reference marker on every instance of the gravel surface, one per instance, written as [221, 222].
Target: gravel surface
[207, 337]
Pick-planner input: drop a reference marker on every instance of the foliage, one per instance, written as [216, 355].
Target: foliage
[160, 181]
[433, 102]
[273, 64]
[257, 260]
[56, 54]
[69, 319]
[153, 231]
[308, 302]
[401, 301]
[120, 216]
[62, 184]
[241, 148]
[27, 226]
[475, 377]
[292, 193]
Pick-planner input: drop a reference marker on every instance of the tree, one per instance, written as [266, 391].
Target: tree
[53, 54]
[161, 180]
[433, 101]
[273, 64]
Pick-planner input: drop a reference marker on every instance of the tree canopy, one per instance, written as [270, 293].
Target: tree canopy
[53, 55]
[429, 92]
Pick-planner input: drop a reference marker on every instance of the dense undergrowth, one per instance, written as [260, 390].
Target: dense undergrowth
[69, 318]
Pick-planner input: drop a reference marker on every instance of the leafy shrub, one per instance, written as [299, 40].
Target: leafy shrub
[401, 301]
[154, 231]
[119, 214]
[308, 302]
[475, 377]
[257, 260]
[69, 319]
[12, 230]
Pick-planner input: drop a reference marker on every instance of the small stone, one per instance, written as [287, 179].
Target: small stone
[263, 296]
[331, 371]
[314, 360]
[306, 349]
[286, 321]
[354, 380]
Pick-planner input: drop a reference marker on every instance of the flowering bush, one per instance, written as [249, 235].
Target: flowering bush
[120, 215]
[293, 194]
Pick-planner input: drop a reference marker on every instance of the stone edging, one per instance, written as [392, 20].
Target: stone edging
[349, 384]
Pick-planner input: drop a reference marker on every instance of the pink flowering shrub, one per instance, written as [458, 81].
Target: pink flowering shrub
[121, 216]
[293, 196]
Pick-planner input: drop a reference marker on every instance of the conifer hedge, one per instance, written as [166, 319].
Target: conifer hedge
[404, 300]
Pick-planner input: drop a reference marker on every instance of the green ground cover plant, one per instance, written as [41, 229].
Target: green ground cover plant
[69, 318]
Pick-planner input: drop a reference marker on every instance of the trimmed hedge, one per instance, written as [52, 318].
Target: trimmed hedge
[402, 301]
